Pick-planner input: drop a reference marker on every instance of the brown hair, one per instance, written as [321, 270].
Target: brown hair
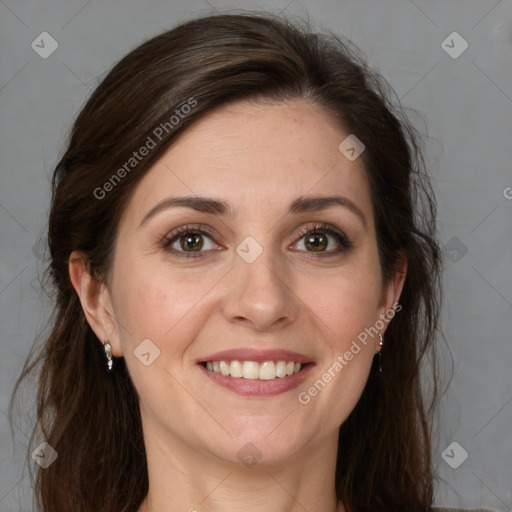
[92, 417]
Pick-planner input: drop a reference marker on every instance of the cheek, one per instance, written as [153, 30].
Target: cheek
[157, 304]
[345, 304]
[343, 316]
[345, 308]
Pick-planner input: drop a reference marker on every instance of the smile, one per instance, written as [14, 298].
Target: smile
[252, 370]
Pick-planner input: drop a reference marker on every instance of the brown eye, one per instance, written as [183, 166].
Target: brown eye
[316, 242]
[192, 242]
[188, 241]
[323, 240]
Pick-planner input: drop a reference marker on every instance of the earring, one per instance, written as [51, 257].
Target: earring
[108, 352]
[381, 343]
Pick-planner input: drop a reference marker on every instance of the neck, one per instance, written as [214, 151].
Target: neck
[182, 478]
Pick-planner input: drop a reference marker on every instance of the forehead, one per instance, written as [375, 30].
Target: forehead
[254, 155]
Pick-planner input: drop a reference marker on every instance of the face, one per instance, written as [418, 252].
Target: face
[251, 241]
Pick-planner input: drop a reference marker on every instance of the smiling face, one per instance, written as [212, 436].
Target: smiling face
[253, 235]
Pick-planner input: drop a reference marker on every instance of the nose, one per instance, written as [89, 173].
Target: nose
[260, 294]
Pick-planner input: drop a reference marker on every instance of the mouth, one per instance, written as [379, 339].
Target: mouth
[254, 373]
[252, 370]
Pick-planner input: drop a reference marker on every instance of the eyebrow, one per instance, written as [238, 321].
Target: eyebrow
[303, 204]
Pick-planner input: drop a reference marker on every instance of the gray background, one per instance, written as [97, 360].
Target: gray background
[467, 103]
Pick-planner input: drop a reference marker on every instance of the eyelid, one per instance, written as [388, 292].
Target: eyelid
[322, 227]
[204, 230]
[174, 234]
[319, 226]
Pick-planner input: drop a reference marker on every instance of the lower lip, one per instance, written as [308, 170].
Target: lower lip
[254, 387]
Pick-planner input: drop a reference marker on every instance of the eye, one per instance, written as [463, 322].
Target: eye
[321, 240]
[324, 240]
[189, 242]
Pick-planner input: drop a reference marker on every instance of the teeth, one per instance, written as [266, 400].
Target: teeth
[281, 369]
[224, 368]
[250, 370]
[236, 369]
[268, 370]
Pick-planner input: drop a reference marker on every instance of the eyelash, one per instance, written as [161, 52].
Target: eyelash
[311, 229]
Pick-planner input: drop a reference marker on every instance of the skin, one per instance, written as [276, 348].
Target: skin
[261, 157]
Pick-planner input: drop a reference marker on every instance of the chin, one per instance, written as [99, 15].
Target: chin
[259, 446]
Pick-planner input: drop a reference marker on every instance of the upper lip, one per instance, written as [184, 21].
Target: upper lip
[259, 356]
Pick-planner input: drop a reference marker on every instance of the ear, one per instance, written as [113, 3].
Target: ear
[391, 292]
[96, 301]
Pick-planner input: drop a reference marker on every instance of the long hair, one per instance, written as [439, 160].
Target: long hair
[91, 417]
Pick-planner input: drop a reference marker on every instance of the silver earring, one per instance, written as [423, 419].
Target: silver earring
[108, 352]
[381, 343]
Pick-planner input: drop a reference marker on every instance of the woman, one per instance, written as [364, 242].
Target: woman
[242, 242]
